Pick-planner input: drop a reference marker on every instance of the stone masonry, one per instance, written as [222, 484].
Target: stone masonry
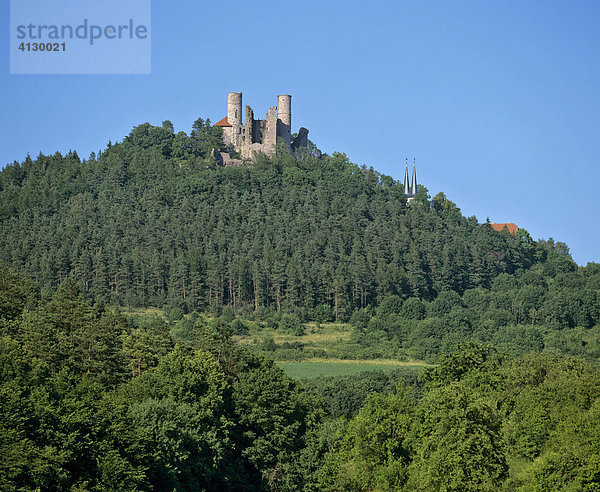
[252, 136]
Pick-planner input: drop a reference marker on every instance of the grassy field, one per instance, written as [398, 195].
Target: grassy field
[323, 337]
[150, 312]
[319, 354]
[334, 367]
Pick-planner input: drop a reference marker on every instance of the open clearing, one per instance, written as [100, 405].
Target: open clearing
[335, 367]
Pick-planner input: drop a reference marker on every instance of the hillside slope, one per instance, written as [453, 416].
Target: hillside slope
[154, 221]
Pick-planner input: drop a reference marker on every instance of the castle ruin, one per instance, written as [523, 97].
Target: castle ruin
[251, 136]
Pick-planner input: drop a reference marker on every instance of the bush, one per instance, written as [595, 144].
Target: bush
[238, 327]
[360, 319]
[323, 313]
[390, 305]
[227, 314]
[175, 314]
[291, 324]
[444, 303]
[184, 329]
[268, 344]
[413, 308]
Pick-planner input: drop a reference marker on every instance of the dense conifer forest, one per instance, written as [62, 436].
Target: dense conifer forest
[93, 398]
[153, 221]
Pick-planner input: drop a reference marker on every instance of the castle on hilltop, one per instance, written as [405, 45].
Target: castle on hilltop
[251, 136]
[244, 138]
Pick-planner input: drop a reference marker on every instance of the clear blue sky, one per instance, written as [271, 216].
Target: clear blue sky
[498, 101]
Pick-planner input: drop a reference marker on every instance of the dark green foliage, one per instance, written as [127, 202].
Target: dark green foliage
[65, 331]
[178, 411]
[154, 221]
[73, 415]
[521, 313]
[16, 293]
[360, 319]
[323, 313]
[238, 327]
[465, 359]
[413, 309]
[457, 442]
[444, 303]
[345, 395]
[389, 305]
[480, 412]
[373, 454]
[210, 415]
[146, 343]
[93, 401]
[291, 323]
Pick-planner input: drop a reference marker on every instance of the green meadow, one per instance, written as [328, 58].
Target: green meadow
[315, 368]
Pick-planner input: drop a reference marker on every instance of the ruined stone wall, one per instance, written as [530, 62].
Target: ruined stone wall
[248, 134]
[270, 136]
[259, 131]
[259, 135]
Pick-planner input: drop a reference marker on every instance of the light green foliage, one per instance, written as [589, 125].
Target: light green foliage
[373, 454]
[545, 391]
[467, 361]
[272, 416]
[91, 400]
[458, 443]
[573, 460]
[291, 323]
[414, 309]
[178, 412]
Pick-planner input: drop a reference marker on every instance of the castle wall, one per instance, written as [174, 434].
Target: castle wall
[228, 137]
[259, 135]
[248, 134]
[259, 131]
[270, 136]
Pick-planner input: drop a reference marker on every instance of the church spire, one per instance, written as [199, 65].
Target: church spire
[413, 188]
[406, 183]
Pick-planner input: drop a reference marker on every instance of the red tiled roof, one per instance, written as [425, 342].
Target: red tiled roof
[223, 122]
[512, 228]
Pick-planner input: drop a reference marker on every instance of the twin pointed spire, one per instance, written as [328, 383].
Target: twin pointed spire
[410, 189]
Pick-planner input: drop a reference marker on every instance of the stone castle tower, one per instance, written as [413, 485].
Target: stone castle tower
[247, 137]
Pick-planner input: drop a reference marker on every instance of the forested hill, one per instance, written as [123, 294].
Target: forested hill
[154, 221]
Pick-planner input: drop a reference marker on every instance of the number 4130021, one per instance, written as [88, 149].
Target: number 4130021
[43, 47]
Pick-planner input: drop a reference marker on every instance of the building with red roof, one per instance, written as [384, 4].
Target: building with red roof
[509, 226]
